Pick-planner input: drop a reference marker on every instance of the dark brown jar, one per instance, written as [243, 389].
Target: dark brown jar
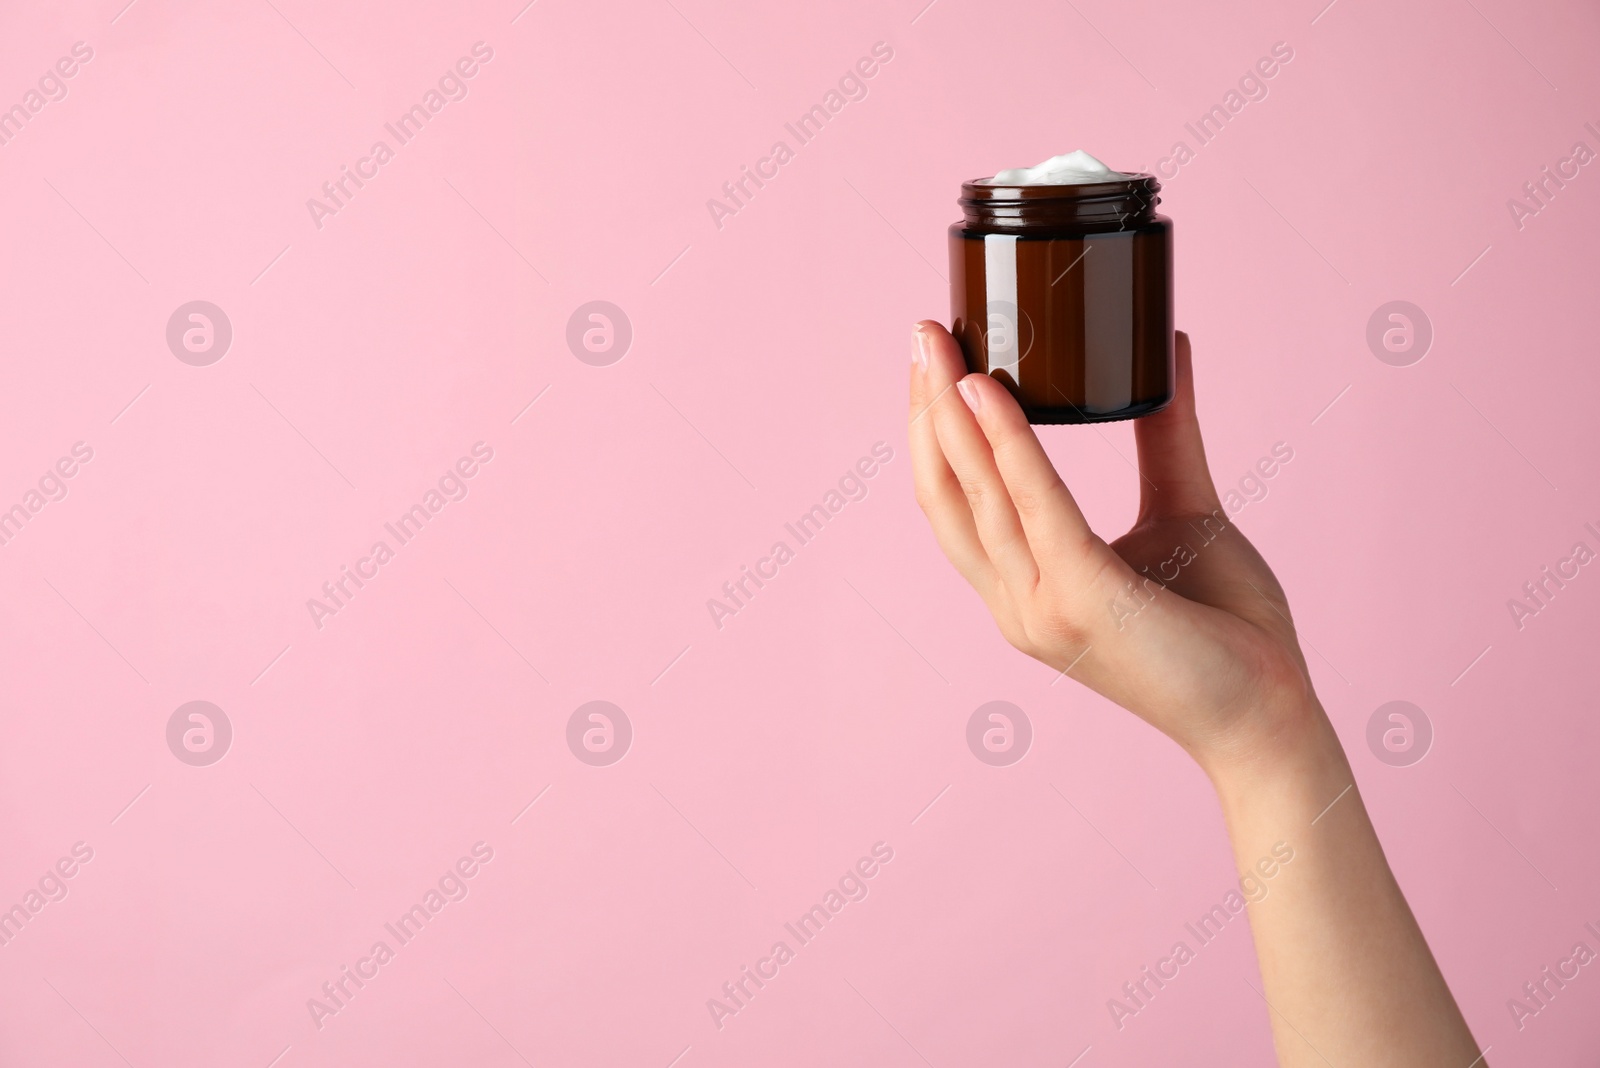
[1064, 293]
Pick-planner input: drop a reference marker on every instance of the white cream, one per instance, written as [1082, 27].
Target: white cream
[1072, 168]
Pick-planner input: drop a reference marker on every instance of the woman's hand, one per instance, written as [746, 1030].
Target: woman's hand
[1179, 620]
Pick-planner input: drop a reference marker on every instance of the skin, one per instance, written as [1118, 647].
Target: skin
[1203, 648]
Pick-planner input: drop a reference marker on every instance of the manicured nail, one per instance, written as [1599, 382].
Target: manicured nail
[969, 393]
[919, 349]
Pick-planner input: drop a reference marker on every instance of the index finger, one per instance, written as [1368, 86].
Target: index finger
[1057, 532]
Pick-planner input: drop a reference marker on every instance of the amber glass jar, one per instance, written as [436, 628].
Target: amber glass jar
[1064, 293]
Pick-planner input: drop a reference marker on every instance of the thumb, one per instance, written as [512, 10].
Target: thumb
[1172, 458]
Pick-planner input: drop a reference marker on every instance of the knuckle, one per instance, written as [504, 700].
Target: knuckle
[1015, 631]
[1044, 630]
[1056, 629]
[1032, 500]
[976, 491]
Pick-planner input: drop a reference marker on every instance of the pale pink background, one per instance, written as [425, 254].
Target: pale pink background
[771, 355]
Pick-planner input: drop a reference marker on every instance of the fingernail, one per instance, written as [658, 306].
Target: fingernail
[969, 393]
[919, 350]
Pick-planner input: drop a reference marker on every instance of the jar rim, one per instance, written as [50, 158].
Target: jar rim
[1036, 209]
[981, 191]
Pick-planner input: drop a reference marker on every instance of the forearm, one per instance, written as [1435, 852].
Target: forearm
[1347, 975]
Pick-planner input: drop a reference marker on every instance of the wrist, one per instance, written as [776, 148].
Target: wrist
[1284, 750]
